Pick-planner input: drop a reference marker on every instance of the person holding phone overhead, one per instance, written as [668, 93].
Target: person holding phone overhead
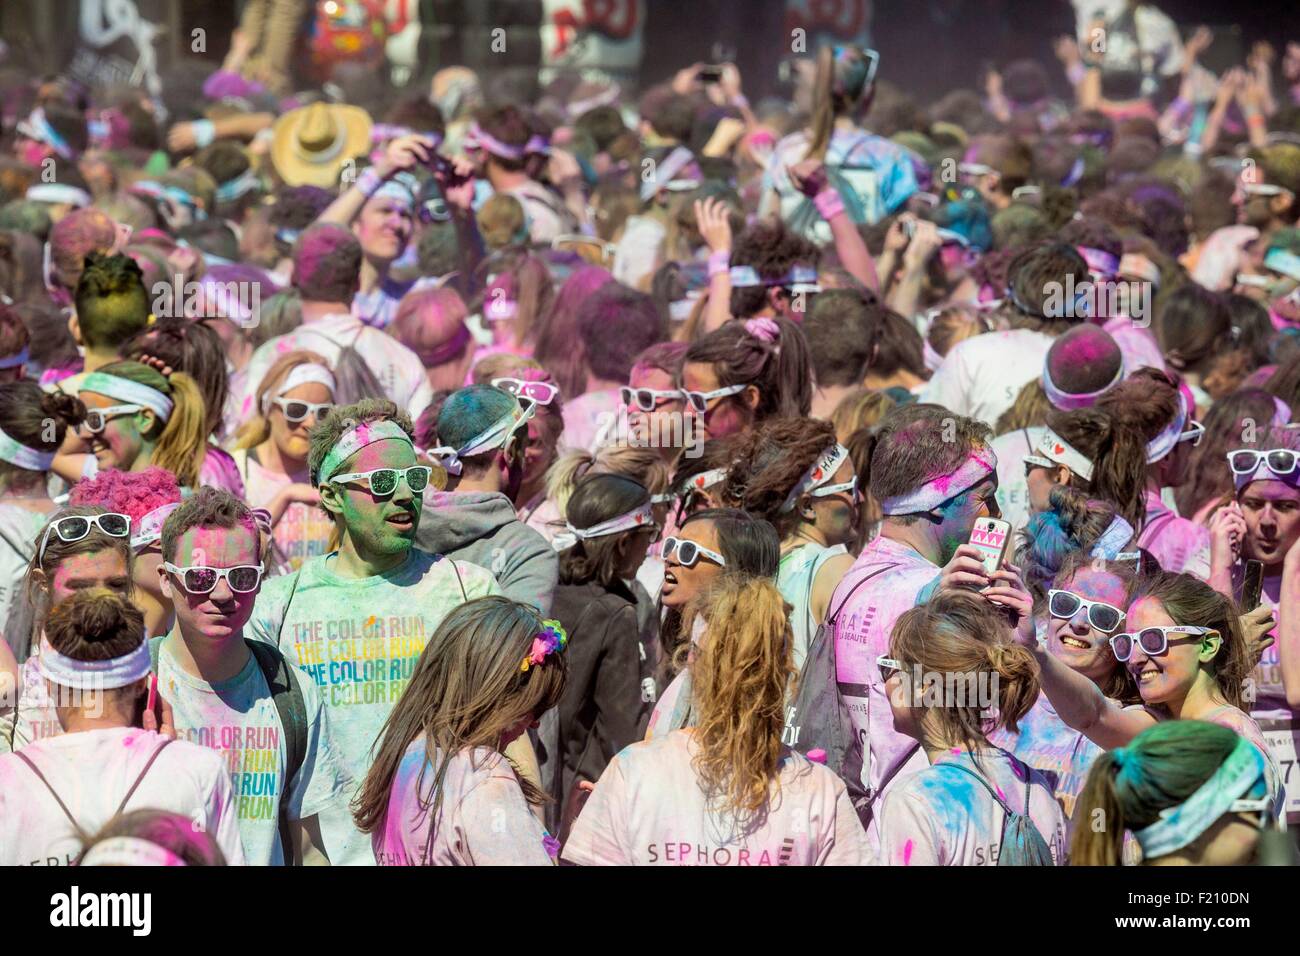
[54, 790]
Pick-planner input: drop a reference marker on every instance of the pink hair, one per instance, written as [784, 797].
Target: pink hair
[134, 493]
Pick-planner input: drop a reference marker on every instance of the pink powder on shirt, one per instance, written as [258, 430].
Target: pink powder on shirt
[907, 849]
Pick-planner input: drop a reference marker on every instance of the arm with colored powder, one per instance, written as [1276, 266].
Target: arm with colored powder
[810, 177]
[712, 218]
[1077, 700]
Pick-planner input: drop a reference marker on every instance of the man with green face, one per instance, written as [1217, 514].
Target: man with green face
[356, 619]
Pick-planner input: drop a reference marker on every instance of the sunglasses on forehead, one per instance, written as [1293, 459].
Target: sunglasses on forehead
[75, 527]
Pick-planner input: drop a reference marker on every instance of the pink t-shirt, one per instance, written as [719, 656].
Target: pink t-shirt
[587, 417]
[648, 809]
[1177, 543]
[484, 819]
[1137, 345]
[942, 816]
[861, 635]
[302, 532]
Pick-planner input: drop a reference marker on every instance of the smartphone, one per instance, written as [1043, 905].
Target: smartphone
[991, 537]
[1252, 584]
[709, 74]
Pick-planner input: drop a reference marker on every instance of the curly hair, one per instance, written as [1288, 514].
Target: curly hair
[771, 248]
[134, 493]
[739, 683]
[767, 462]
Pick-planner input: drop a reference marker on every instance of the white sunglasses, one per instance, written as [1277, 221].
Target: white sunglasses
[296, 410]
[543, 393]
[700, 400]
[97, 418]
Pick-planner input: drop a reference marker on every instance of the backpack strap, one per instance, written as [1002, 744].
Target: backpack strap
[293, 589]
[459, 579]
[857, 690]
[291, 708]
[167, 741]
[54, 793]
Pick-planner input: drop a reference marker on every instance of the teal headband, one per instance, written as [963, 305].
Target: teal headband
[357, 438]
[1240, 776]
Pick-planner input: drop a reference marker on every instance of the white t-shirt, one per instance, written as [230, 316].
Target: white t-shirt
[982, 376]
[237, 718]
[649, 809]
[359, 638]
[18, 530]
[92, 771]
[397, 368]
[484, 819]
[941, 816]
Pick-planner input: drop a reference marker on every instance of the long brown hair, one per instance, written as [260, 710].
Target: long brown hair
[1190, 601]
[466, 691]
[740, 679]
[769, 461]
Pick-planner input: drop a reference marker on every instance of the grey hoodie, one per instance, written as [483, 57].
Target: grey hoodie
[482, 528]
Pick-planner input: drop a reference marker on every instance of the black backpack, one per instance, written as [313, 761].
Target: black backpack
[292, 711]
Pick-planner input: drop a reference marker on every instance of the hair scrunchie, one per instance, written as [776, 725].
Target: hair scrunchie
[764, 329]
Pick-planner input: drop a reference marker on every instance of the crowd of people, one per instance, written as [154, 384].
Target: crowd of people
[426, 478]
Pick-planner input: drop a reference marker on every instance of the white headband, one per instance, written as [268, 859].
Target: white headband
[1056, 449]
[124, 390]
[13, 361]
[706, 479]
[496, 436]
[1067, 401]
[130, 851]
[638, 518]
[1117, 534]
[981, 463]
[357, 438]
[150, 527]
[95, 675]
[21, 455]
[1164, 443]
[59, 193]
[818, 473]
[306, 374]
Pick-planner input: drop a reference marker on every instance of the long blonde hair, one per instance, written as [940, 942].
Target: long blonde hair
[180, 443]
[739, 682]
[258, 428]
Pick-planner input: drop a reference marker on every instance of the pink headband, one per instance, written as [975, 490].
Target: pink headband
[1099, 261]
[1069, 402]
[981, 463]
[1281, 412]
[477, 138]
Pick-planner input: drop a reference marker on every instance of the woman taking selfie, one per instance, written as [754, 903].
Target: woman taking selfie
[440, 791]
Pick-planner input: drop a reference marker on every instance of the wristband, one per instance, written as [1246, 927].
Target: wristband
[205, 131]
[720, 263]
[1076, 72]
[829, 203]
[369, 181]
[740, 101]
[1180, 107]
[1256, 119]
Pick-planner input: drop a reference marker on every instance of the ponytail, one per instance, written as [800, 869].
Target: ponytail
[741, 676]
[770, 354]
[823, 108]
[1128, 788]
[1099, 829]
[1119, 472]
[183, 443]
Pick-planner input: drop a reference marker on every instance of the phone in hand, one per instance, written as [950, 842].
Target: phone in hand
[991, 537]
[1252, 584]
[709, 74]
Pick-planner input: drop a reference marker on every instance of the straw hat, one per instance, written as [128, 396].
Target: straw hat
[312, 143]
